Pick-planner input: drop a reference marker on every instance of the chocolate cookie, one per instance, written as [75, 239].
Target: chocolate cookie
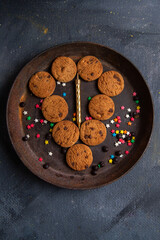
[42, 84]
[101, 107]
[111, 83]
[93, 132]
[79, 157]
[64, 69]
[89, 68]
[54, 108]
[65, 133]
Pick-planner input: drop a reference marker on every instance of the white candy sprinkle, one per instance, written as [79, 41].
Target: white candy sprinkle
[129, 110]
[123, 136]
[116, 144]
[119, 142]
[121, 156]
[28, 136]
[45, 121]
[50, 153]
[25, 112]
[127, 116]
[64, 84]
[107, 126]
[128, 133]
[35, 120]
[58, 82]
[112, 121]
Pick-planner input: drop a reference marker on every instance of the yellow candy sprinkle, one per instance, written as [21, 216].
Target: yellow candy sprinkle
[50, 129]
[138, 107]
[117, 131]
[74, 119]
[133, 137]
[46, 142]
[122, 131]
[110, 160]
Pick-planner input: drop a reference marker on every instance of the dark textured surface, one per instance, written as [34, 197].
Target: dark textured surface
[126, 209]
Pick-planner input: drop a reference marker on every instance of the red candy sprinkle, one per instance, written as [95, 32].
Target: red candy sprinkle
[112, 131]
[90, 118]
[40, 159]
[117, 125]
[37, 135]
[37, 106]
[118, 117]
[41, 121]
[86, 118]
[41, 100]
[122, 107]
[132, 119]
[129, 144]
[32, 125]
[119, 121]
[28, 127]
[134, 94]
[126, 152]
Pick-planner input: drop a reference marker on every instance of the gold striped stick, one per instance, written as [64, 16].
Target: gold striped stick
[78, 100]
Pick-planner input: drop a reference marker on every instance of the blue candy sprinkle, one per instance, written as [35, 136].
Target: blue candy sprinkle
[114, 134]
[112, 156]
[64, 94]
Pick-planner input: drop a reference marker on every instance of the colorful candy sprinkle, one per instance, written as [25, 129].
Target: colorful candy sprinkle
[37, 106]
[134, 94]
[41, 120]
[46, 142]
[50, 153]
[29, 118]
[89, 98]
[40, 159]
[35, 120]
[58, 83]
[117, 125]
[126, 152]
[129, 110]
[74, 119]
[63, 84]
[51, 124]
[112, 131]
[25, 112]
[132, 119]
[74, 114]
[129, 123]
[110, 161]
[37, 135]
[32, 125]
[64, 94]
[122, 107]
[107, 126]
[112, 121]
[28, 127]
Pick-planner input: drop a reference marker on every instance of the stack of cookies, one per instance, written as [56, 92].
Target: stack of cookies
[55, 108]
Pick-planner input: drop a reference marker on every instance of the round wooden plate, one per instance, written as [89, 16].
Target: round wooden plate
[58, 172]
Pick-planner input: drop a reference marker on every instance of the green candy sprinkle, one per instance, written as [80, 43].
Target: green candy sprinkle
[89, 98]
[137, 101]
[132, 141]
[51, 124]
[28, 118]
[99, 165]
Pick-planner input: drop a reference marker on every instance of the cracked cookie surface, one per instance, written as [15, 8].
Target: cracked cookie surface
[101, 107]
[93, 132]
[54, 108]
[65, 133]
[79, 157]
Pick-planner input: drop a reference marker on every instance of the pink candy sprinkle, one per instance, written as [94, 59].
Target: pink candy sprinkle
[137, 111]
[41, 100]
[86, 118]
[134, 94]
[32, 125]
[118, 117]
[37, 135]
[40, 159]
[90, 118]
[112, 131]
[119, 121]
[41, 121]
[37, 106]
[117, 125]
[129, 144]
[120, 140]
[122, 107]
[28, 127]
[132, 119]
[126, 152]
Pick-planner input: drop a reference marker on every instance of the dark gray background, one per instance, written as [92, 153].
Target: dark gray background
[126, 209]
